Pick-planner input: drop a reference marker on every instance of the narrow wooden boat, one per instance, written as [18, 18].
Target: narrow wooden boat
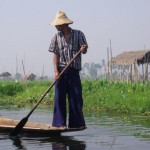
[34, 128]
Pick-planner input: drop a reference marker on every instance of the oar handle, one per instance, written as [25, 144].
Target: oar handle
[53, 83]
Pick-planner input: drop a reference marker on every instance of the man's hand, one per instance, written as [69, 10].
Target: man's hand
[83, 49]
[56, 75]
[56, 61]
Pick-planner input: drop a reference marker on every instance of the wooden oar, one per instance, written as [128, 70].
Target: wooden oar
[21, 124]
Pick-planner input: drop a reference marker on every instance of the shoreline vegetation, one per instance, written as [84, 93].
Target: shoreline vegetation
[99, 96]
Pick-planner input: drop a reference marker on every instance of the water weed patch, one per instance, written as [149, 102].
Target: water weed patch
[98, 95]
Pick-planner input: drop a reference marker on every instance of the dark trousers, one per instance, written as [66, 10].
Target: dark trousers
[68, 87]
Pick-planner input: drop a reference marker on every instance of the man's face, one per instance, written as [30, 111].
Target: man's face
[59, 27]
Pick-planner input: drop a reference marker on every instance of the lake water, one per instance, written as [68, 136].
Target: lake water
[104, 132]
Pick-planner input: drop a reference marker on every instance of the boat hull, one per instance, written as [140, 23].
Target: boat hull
[33, 128]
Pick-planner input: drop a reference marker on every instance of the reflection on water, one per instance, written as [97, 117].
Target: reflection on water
[56, 143]
[18, 143]
[104, 131]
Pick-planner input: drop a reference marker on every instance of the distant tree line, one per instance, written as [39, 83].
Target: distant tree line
[89, 71]
[99, 70]
[94, 70]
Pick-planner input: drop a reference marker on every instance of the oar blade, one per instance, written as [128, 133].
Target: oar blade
[19, 127]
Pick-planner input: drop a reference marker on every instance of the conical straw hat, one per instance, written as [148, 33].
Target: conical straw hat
[61, 18]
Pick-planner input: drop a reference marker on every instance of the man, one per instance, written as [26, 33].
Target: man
[64, 45]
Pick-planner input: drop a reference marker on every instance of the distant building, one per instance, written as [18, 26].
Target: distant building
[31, 77]
[129, 62]
[5, 75]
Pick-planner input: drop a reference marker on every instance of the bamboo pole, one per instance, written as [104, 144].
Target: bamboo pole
[146, 71]
[144, 68]
[108, 61]
[24, 73]
[131, 73]
[143, 72]
[135, 72]
[16, 64]
[43, 72]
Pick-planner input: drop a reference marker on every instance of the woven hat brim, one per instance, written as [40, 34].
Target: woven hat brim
[61, 22]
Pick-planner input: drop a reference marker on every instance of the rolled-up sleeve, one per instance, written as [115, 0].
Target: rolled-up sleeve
[54, 45]
[82, 39]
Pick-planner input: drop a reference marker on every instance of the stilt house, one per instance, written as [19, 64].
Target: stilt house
[133, 65]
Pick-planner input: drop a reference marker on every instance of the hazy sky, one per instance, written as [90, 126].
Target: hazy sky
[25, 33]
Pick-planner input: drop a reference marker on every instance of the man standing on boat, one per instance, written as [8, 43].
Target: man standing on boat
[64, 45]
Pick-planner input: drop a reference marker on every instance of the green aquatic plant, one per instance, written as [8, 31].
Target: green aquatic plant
[98, 95]
[10, 88]
[117, 97]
